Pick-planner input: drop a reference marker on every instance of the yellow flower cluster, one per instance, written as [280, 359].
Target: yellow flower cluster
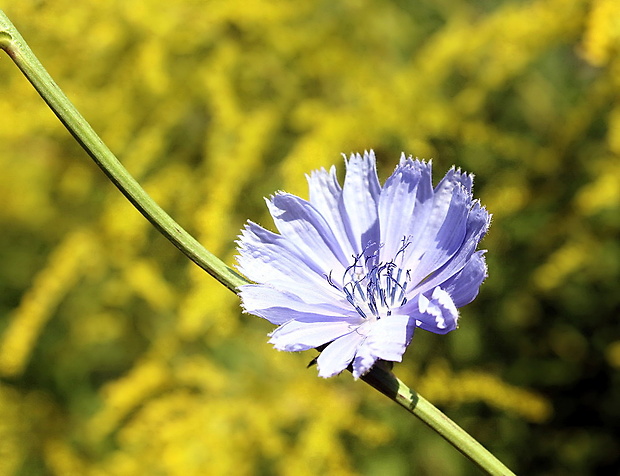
[601, 40]
[66, 265]
[442, 386]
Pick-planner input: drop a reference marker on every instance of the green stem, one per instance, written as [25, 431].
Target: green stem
[389, 385]
[15, 46]
[384, 381]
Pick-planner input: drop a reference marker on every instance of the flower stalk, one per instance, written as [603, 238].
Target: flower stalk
[14, 45]
[12, 42]
[389, 385]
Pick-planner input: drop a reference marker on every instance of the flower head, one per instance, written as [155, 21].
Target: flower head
[355, 269]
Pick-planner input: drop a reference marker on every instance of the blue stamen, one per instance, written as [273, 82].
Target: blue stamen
[372, 286]
[360, 290]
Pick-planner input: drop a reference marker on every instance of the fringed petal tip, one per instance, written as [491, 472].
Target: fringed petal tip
[410, 160]
[368, 157]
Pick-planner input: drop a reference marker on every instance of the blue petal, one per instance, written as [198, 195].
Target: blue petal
[338, 355]
[478, 222]
[444, 229]
[389, 337]
[436, 313]
[360, 196]
[296, 335]
[363, 361]
[300, 223]
[404, 200]
[279, 306]
[267, 257]
[385, 339]
[463, 287]
[326, 197]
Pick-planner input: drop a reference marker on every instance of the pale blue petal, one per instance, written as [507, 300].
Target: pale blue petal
[338, 355]
[389, 337]
[326, 197]
[402, 203]
[279, 306]
[450, 203]
[268, 257]
[360, 197]
[478, 222]
[363, 361]
[302, 225]
[297, 335]
[386, 339]
[443, 236]
[463, 287]
[436, 313]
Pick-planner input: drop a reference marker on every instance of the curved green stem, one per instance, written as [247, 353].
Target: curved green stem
[384, 381]
[15, 46]
[389, 385]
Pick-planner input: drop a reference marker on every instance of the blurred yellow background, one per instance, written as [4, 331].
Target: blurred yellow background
[120, 357]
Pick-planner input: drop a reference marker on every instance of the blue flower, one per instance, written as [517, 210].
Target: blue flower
[356, 269]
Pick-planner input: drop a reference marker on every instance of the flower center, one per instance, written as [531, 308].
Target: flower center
[375, 287]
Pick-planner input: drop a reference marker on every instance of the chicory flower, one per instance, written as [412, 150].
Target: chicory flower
[356, 269]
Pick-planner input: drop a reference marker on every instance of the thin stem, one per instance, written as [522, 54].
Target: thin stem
[15, 46]
[389, 385]
[384, 381]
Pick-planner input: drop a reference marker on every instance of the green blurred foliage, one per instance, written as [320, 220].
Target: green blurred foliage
[118, 357]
